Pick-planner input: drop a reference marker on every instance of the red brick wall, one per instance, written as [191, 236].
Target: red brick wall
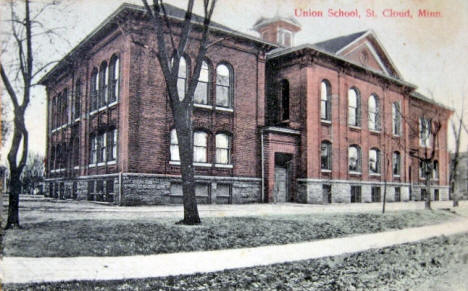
[304, 76]
[150, 117]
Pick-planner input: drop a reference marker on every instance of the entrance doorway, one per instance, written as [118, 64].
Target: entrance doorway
[282, 183]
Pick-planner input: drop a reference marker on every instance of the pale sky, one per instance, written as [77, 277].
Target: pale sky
[431, 53]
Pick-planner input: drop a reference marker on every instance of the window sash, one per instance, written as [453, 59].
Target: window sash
[222, 95]
[223, 149]
[325, 156]
[200, 146]
[354, 159]
[396, 164]
[374, 161]
[174, 146]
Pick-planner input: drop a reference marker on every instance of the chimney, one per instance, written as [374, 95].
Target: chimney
[279, 30]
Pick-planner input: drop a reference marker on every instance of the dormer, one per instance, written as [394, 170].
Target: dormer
[279, 30]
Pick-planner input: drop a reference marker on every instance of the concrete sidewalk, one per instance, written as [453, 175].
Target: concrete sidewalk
[27, 270]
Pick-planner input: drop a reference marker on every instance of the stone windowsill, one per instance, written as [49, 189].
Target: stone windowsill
[227, 166]
[224, 109]
[354, 127]
[203, 106]
[353, 173]
[325, 122]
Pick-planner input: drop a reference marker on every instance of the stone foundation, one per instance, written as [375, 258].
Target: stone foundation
[153, 189]
[311, 191]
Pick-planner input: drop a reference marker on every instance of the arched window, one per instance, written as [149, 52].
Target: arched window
[114, 77]
[354, 107]
[284, 100]
[374, 161]
[325, 155]
[374, 113]
[202, 90]
[182, 78]
[200, 146]
[354, 158]
[396, 118]
[94, 90]
[435, 170]
[396, 164]
[104, 84]
[325, 100]
[224, 90]
[77, 101]
[223, 148]
[174, 148]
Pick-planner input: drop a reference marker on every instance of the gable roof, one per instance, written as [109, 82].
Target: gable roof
[341, 46]
[338, 43]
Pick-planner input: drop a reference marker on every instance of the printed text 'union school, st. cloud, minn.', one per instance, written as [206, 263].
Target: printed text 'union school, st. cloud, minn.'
[370, 13]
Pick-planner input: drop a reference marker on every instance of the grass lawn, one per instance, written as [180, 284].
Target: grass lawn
[141, 237]
[421, 266]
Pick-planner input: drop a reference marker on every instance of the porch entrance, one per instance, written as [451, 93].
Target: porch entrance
[282, 185]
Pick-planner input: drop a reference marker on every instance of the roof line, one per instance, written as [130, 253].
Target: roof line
[374, 35]
[313, 47]
[134, 7]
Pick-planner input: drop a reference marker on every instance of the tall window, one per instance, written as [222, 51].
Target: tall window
[374, 113]
[325, 100]
[201, 92]
[76, 151]
[374, 161]
[223, 148]
[435, 170]
[114, 76]
[64, 111]
[354, 158]
[77, 104]
[54, 112]
[354, 111]
[200, 146]
[224, 89]
[182, 78]
[101, 145]
[284, 100]
[93, 149]
[422, 169]
[396, 118]
[325, 155]
[104, 84]
[174, 148]
[424, 131]
[396, 164]
[111, 144]
[94, 90]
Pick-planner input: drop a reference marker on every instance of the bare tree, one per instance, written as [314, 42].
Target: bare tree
[21, 48]
[427, 128]
[169, 54]
[457, 126]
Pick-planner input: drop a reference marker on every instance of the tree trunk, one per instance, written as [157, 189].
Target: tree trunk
[455, 196]
[13, 203]
[427, 203]
[185, 137]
